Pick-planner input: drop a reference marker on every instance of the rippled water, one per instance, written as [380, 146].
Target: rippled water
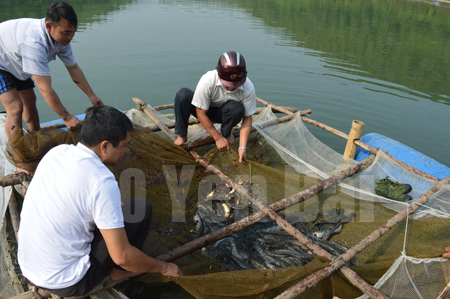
[385, 63]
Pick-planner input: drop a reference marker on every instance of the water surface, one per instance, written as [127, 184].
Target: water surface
[386, 63]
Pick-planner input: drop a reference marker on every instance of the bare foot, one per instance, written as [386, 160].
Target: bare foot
[181, 139]
[117, 274]
[230, 139]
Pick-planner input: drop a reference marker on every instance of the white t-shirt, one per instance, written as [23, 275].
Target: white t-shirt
[26, 48]
[210, 92]
[71, 192]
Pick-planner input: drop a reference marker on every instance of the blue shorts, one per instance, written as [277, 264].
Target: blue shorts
[8, 81]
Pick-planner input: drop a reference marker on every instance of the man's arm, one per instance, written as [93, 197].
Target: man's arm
[132, 259]
[44, 84]
[221, 142]
[80, 80]
[246, 128]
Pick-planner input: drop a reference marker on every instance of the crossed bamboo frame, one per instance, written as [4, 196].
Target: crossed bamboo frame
[337, 263]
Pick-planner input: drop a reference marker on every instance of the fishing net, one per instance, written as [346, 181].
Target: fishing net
[10, 285]
[261, 261]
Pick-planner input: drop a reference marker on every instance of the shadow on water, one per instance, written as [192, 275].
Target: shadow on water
[398, 41]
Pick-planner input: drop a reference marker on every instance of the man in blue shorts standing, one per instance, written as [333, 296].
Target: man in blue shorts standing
[26, 48]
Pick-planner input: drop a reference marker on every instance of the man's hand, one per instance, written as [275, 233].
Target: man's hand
[95, 100]
[72, 123]
[447, 254]
[172, 270]
[222, 144]
[242, 155]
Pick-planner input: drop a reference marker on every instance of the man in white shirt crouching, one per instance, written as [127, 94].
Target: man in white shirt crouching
[72, 232]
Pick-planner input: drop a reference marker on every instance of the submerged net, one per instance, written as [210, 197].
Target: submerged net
[282, 160]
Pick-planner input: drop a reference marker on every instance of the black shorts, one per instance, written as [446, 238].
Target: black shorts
[8, 81]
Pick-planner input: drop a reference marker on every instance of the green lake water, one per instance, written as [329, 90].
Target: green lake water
[386, 63]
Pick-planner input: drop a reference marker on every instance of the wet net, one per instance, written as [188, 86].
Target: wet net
[262, 261]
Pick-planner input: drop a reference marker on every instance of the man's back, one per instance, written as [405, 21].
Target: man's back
[70, 191]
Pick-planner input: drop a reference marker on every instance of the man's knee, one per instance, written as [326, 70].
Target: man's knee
[234, 110]
[12, 102]
[184, 95]
[28, 97]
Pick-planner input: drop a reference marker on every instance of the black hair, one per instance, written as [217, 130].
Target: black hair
[58, 10]
[105, 123]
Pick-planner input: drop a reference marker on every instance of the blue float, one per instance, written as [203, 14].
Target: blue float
[403, 153]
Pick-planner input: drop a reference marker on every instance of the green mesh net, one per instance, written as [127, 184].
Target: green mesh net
[175, 186]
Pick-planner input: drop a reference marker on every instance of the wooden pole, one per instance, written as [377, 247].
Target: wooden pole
[370, 239]
[350, 274]
[14, 214]
[355, 134]
[444, 292]
[357, 142]
[257, 216]
[154, 118]
[159, 108]
[243, 223]
[14, 179]
[194, 120]
[209, 140]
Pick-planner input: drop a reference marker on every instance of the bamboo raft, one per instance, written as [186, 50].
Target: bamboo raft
[337, 263]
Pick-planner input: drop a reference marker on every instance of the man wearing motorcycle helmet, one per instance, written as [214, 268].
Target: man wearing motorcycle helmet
[224, 95]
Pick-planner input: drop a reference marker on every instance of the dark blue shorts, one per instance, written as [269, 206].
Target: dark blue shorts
[8, 81]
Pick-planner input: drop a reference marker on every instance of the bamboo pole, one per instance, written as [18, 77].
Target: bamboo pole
[444, 292]
[194, 120]
[14, 179]
[154, 118]
[14, 214]
[159, 108]
[355, 134]
[209, 140]
[257, 216]
[350, 274]
[171, 106]
[243, 223]
[370, 239]
[357, 142]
